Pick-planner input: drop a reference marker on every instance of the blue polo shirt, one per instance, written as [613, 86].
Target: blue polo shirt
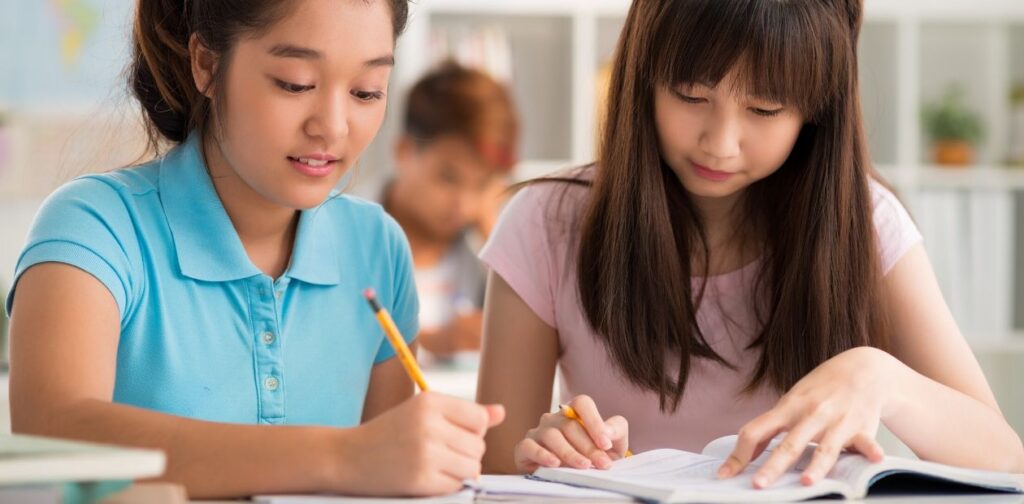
[204, 333]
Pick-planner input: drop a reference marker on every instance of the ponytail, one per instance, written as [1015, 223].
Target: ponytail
[161, 75]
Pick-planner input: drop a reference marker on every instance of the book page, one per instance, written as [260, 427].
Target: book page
[683, 476]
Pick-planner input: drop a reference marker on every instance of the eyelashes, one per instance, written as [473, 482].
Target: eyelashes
[292, 88]
[763, 112]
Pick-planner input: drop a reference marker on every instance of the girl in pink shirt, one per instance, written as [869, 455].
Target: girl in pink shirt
[731, 263]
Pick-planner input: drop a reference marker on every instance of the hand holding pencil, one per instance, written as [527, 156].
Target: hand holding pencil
[576, 436]
[426, 445]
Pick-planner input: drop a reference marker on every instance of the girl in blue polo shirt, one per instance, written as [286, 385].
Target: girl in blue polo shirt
[208, 303]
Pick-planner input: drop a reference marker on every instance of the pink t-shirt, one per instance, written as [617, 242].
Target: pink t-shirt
[530, 249]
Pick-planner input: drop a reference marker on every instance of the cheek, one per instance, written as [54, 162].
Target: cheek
[364, 123]
[774, 146]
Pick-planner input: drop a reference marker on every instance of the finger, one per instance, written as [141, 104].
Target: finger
[459, 468]
[867, 445]
[826, 454]
[592, 421]
[620, 436]
[465, 414]
[789, 451]
[752, 439]
[530, 455]
[495, 414]
[581, 441]
[554, 441]
[463, 442]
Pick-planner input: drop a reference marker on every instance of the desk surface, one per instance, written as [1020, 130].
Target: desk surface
[943, 499]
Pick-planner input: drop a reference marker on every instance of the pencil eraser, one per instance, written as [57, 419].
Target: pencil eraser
[369, 293]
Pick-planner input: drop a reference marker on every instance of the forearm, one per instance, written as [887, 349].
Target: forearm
[944, 425]
[211, 459]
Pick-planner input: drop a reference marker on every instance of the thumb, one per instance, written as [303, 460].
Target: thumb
[495, 414]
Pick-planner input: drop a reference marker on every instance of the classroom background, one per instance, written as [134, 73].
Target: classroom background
[942, 85]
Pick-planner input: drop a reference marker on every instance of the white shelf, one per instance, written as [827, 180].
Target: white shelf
[971, 178]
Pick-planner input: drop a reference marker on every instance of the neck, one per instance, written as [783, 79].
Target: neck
[266, 229]
[723, 225]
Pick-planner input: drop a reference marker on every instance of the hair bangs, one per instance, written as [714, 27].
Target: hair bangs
[782, 51]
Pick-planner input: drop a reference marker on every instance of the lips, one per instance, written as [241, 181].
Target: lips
[711, 174]
[313, 165]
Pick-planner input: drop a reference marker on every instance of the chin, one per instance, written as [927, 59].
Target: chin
[303, 200]
[703, 189]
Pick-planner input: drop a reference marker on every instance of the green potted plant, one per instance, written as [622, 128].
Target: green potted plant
[953, 129]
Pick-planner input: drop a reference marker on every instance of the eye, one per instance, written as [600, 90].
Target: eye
[766, 112]
[368, 96]
[687, 98]
[291, 87]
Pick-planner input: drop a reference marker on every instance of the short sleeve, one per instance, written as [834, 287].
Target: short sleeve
[519, 249]
[84, 224]
[403, 304]
[896, 231]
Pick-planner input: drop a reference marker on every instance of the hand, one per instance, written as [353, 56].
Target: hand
[460, 334]
[838, 405]
[425, 446]
[557, 440]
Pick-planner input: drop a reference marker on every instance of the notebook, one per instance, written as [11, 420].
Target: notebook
[668, 475]
[489, 488]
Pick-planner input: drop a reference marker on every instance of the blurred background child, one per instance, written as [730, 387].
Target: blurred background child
[452, 160]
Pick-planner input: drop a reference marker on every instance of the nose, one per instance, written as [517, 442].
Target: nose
[720, 138]
[329, 121]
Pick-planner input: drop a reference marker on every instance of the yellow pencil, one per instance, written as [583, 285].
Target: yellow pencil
[571, 414]
[391, 331]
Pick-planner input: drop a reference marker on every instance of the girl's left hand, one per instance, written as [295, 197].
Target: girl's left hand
[838, 405]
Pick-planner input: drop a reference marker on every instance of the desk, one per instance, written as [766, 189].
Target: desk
[165, 493]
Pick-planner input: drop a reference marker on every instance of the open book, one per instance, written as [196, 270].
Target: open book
[679, 476]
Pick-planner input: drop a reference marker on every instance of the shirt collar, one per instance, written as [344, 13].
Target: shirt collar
[208, 247]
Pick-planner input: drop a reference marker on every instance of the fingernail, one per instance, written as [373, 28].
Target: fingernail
[606, 444]
[604, 462]
[760, 481]
[583, 463]
[724, 472]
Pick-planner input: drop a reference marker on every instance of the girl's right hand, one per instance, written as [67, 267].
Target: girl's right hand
[557, 440]
[427, 445]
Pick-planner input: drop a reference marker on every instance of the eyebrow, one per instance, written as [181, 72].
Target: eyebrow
[294, 51]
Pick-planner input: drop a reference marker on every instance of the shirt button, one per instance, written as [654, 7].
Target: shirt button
[271, 383]
[278, 294]
[268, 337]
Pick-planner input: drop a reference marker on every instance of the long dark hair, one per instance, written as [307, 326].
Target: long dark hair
[160, 72]
[818, 289]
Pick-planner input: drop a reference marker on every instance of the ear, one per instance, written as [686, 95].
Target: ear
[204, 66]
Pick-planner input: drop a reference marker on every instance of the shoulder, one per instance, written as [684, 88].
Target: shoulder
[895, 228]
[555, 202]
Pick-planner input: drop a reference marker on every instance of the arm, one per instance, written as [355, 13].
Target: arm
[461, 333]
[517, 369]
[63, 349]
[390, 385]
[841, 402]
[937, 370]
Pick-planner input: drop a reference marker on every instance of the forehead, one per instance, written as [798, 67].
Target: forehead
[334, 32]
